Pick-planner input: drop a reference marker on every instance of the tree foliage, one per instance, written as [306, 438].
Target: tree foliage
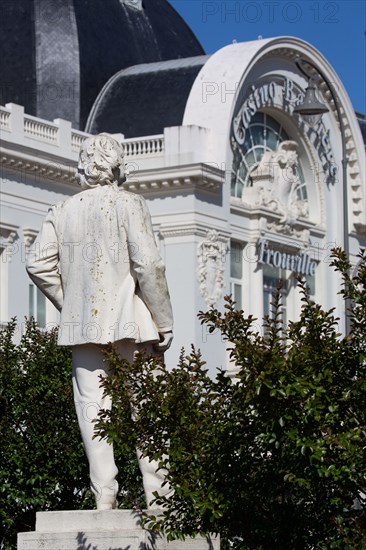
[274, 459]
[42, 462]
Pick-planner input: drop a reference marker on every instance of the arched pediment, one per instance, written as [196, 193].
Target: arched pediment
[234, 73]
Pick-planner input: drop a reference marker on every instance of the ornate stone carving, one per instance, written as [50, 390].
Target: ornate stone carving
[29, 237]
[287, 229]
[8, 234]
[211, 267]
[274, 184]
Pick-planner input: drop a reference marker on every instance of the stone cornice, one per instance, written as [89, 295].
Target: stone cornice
[270, 220]
[186, 178]
[48, 166]
[162, 180]
[189, 229]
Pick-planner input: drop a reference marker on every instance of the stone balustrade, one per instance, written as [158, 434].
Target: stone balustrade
[148, 146]
[5, 115]
[60, 134]
[41, 130]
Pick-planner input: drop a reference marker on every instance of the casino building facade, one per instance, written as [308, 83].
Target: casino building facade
[242, 191]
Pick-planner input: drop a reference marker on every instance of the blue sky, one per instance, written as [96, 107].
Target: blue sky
[337, 29]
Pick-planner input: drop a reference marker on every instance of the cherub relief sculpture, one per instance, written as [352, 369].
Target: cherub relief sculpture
[275, 181]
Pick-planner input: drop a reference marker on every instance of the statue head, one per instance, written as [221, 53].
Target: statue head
[100, 162]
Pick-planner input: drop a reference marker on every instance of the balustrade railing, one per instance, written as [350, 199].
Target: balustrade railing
[5, 119]
[49, 132]
[39, 129]
[148, 146]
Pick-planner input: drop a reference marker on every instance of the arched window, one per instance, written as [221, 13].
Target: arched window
[264, 134]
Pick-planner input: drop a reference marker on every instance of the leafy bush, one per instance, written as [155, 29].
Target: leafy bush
[274, 459]
[42, 462]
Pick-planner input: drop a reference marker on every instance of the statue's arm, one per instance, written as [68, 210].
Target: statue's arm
[149, 267]
[42, 262]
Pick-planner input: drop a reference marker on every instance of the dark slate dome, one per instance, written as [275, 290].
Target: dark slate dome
[56, 56]
[144, 99]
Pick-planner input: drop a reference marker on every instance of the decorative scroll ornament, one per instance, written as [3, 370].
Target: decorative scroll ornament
[8, 234]
[29, 237]
[211, 268]
[275, 181]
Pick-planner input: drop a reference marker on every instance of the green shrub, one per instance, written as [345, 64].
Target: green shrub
[42, 462]
[275, 460]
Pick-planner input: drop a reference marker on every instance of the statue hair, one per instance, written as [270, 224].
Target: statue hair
[102, 160]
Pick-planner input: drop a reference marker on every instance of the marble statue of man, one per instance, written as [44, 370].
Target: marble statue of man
[96, 259]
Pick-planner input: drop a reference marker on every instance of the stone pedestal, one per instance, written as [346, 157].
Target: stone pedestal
[104, 530]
